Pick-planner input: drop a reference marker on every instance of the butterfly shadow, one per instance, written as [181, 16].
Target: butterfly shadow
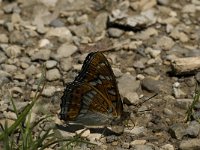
[72, 128]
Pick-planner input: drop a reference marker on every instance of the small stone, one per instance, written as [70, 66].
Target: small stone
[9, 68]
[10, 115]
[165, 43]
[4, 74]
[10, 7]
[30, 71]
[127, 83]
[167, 147]
[176, 34]
[66, 63]
[51, 64]
[132, 97]
[164, 2]
[138, 130]
[112, 138]
[49, 91]
[13, 51]
[53, 74]
[126, 145]
[44, 43]
[3, 38]
[94, 137]
[150, 70]
[190, 8]
[140, 76]
[152, 52]
[20, 77]
[143, 147]
[191, 144]
[57, 23]
[113, 32]
[3, 57]
[61, 32]
[168, 111]
[183, 103]
[83, 132]
[17, 37]
[66, 50]
[193, 129]
[151, 85]
[42, 54]
[177, 131]
[138, 142]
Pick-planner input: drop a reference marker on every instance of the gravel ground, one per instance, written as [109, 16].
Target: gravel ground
[141, 39]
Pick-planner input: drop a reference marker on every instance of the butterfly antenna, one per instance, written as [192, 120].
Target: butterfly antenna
[139, 104]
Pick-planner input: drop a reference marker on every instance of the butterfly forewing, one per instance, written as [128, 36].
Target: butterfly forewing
[93, 94]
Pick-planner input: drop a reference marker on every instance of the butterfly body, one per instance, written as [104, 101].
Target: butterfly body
[93, 97]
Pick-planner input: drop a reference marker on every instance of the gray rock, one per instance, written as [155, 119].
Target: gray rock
[138, 130]
[168, 147]
[10, 7]
[110, 139]
[4, 74]
[177, 131]
[197, 77]
[3, 38]
[127, 83]
[150, 71]
[57, 23]
[191, 144]
[61, 32]
[17, 37]
[42, 54]
[66, 63]
[164, 2]
[66, 50]
[143, 147]
[190, 8]
[151, 85]
[51, 64]
[113, 32]
[9, 68]
[165, 43]
[13, 51]
[2, 57]
[49, 91]
[100, 22]
[193, 129]
[30, 71]
[183, 103]
[53, 74]
[126, 145]
[132, 98]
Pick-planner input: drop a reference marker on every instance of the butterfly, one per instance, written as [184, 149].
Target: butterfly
[93, 97]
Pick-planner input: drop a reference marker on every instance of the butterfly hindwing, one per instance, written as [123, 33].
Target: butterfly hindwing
[93, 96]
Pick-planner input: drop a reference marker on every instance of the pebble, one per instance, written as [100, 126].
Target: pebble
[49, 91]
[10, 115]
[9, 68]
[30, 71]
[143, 147]
[138, 142]
[42, 54]
[43, 43]
[132, 97]
[3, 57]
[4, 74]
[167, 147]
[138, 130]
[115, 33]
[62, 33]
[190, 144]
[3, 38]
[53, 74]
[127, 83]
[193, 129]
[66, 50]
[151, 85]
[66, 63]
[177, 131]
[13, 51]
[183, 103]
[83, 132]
[51, 64]
[165, 43]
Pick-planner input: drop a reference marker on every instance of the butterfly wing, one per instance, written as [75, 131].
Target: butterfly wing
[93, 96]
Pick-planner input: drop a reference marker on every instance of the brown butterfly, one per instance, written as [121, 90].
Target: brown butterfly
[93, 97]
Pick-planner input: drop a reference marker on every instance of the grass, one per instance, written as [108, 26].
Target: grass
[191, 110]
[21, 136]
